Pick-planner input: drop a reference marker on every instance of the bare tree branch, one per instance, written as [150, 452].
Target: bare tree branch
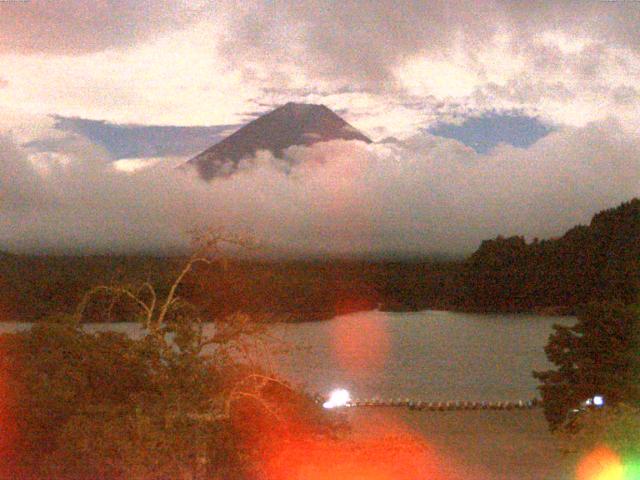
[113, 291]
[235, 393]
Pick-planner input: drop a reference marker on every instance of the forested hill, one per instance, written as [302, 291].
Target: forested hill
[33, 288]
[596, 262]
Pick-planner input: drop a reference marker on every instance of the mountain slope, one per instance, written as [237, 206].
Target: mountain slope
[291, 124]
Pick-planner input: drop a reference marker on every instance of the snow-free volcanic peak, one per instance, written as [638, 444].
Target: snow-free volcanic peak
[286, 126]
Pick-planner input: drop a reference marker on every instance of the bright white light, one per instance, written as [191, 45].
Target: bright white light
[337, 398]
[598, 400]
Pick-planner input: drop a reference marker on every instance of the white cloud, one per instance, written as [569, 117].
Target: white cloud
[425, 194]
[394, 70]
[440, 78]
[176, 79]
[132, 165]
[74, 27]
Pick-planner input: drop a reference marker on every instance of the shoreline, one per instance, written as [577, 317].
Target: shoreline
[294, 318]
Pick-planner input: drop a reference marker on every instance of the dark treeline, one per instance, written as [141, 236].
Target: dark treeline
[599, 262]
[35, 287]
[589, 263]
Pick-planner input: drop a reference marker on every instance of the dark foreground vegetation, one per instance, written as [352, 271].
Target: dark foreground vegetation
[599, 355]
[598, 262]
[86, 406]
[173, 404]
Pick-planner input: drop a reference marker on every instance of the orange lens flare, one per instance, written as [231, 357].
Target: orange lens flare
[390, 457]
[382, 447]
[7, 427]
[362, 344]
[601, 464]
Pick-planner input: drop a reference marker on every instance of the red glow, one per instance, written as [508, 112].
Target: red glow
[600, 464]
[390, 457]
[296, 446]
[7, 426]
[362, 353]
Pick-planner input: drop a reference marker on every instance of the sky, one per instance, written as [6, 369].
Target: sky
[489, 118]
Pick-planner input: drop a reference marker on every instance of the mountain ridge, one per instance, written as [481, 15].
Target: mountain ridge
[286, 126]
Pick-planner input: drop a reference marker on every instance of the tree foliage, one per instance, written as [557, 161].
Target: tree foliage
[34, 287]
[599, 262]
[598, 355]
[171, 403]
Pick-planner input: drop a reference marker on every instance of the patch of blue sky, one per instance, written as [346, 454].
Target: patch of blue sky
[485, 132]
[140, 141]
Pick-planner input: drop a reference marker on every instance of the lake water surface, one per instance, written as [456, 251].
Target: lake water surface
[429, 355]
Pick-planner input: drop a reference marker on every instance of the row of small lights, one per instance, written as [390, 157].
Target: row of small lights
[341, 398]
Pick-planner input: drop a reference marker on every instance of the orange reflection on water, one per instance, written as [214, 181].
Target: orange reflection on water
[361, 343]
[602, 463]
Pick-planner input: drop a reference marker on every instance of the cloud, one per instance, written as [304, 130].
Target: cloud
[349, 40]
[20, 184]
[625, 95]
[563, 61]
[424, 194]
[172, 80]
[74, 27]
[394, 66]
[364, 42]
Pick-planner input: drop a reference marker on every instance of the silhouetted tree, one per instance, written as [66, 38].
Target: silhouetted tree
[597, 355]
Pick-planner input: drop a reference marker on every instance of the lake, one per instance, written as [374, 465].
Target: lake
[428, 355]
